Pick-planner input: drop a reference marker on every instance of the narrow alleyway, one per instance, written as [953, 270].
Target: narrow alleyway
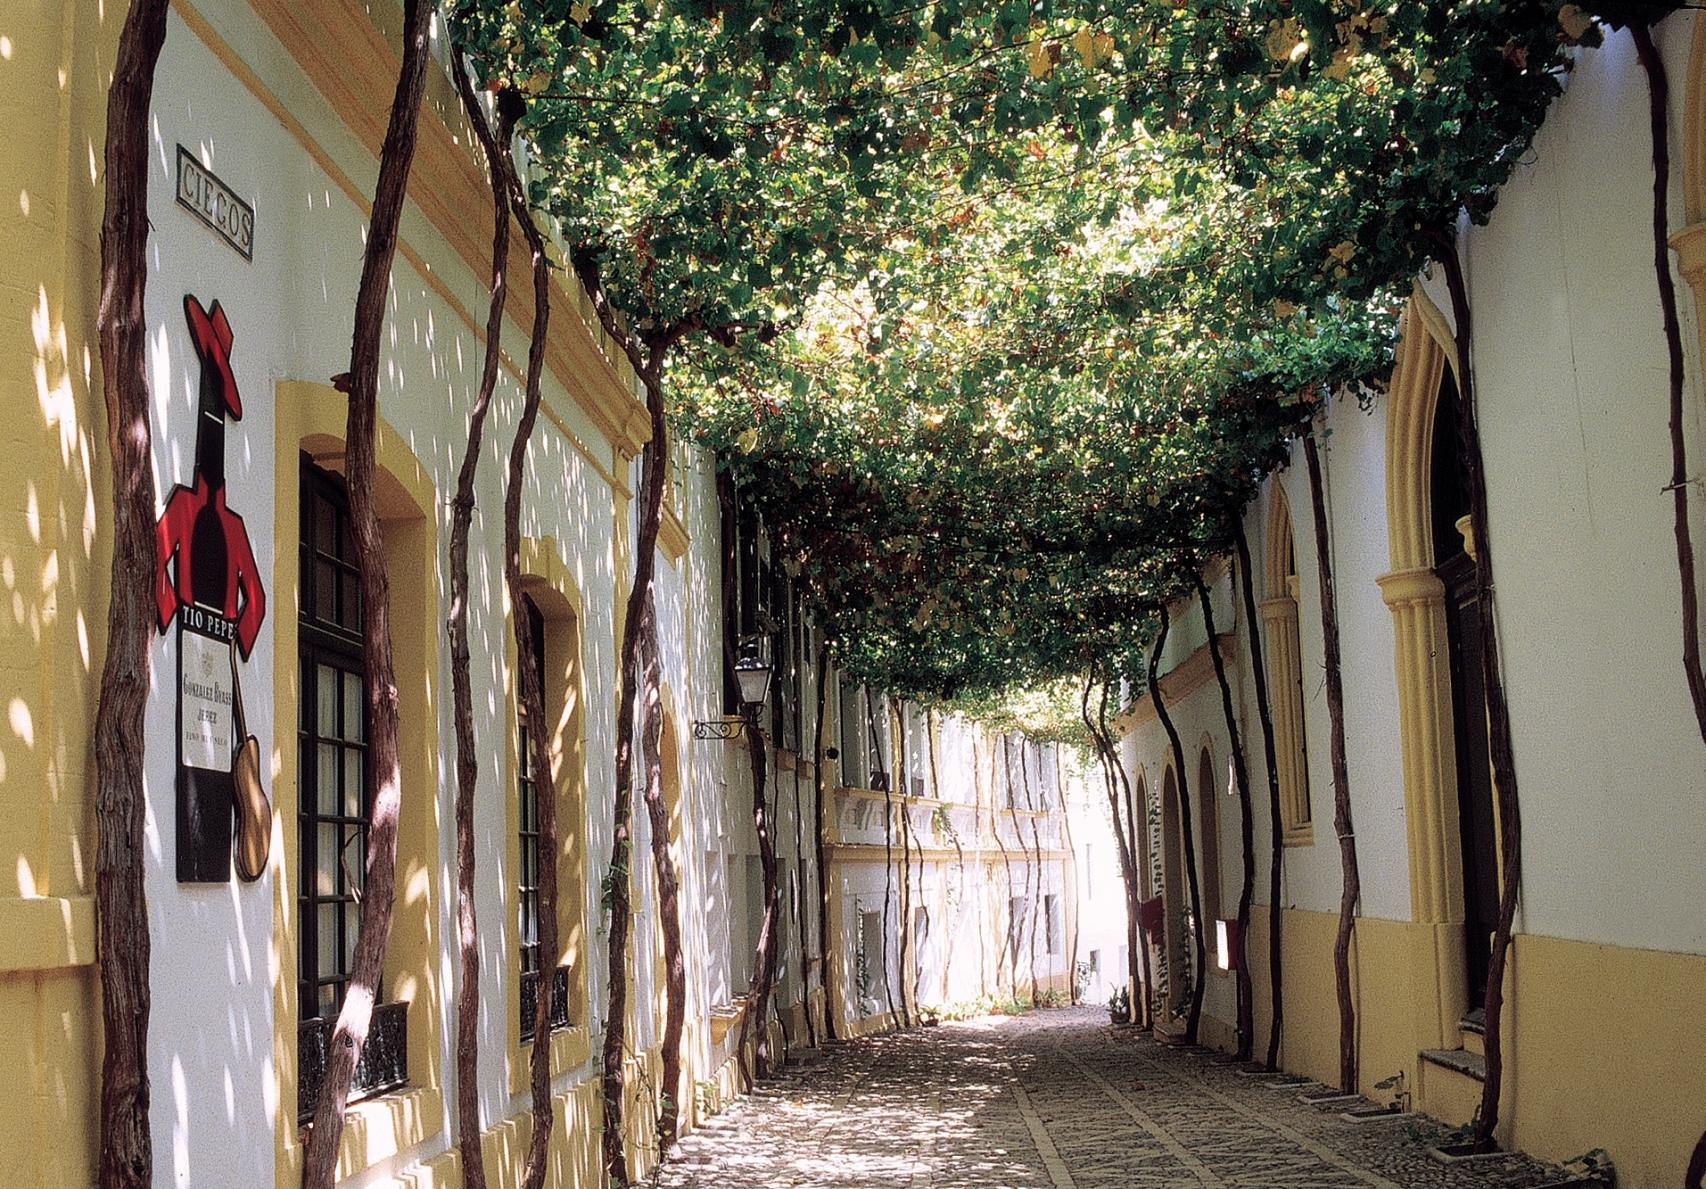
[1056, 1098]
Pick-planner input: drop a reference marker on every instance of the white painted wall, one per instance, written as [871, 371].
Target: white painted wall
[291, 311]
[1570, 363]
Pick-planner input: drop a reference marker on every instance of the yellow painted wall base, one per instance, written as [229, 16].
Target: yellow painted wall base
[1600, 1046]
[1381, 981]
[1606, 1049]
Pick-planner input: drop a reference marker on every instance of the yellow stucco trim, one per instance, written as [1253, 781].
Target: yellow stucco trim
[46, 932]
[547, 580]
[337, 33]
[1416, 598]
[1284, 653]
[672, 534]
[1425, 352]
[311, 419]
[1183, 680]
[1694, 129]
[1577, 1076]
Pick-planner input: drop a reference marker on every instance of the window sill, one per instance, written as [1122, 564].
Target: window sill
[378, 1128]
[724, 1017]
[570, 1046]
[1298, 836]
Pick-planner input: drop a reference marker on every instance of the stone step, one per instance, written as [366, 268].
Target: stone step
[1473, 1028]
[1472, 1065]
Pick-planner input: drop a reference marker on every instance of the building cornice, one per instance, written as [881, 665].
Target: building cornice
[324, 39]
[1180, 682]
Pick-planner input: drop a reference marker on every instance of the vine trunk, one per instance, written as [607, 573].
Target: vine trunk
[373, 930]
[121, 907]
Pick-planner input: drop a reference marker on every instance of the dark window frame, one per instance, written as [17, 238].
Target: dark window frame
[335, 644]
[527, 865]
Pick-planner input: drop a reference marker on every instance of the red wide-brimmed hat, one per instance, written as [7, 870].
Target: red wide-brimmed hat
[211, 335]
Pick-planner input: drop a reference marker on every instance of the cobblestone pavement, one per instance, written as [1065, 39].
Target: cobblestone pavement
[1054, 1099]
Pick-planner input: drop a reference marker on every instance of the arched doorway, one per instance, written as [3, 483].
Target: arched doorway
[1455, 565]
[1208, 832]
[1428, 641]
[1179, 923]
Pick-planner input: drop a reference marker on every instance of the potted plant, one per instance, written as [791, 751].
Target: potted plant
[1119, 1006]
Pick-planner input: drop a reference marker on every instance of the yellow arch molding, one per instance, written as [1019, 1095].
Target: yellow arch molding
[1690, 242]
[1416, 598]
[547, 580]
[1285, 666]
[311, 418]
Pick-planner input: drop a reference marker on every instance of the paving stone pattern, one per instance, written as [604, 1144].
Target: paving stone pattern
[1055, 1100]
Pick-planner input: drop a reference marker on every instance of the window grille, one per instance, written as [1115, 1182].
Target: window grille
[334, 797]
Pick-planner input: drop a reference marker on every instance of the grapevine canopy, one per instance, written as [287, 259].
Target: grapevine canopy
[1000, 310]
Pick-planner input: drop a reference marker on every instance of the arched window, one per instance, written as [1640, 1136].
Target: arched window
[323, 775]
[1285, 673]
[550, 605]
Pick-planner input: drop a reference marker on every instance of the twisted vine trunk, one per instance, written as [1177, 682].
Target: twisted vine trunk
[532, 695]
[1199, 979]
[888, 895]
[800, 888]
[1037, 882]
[653, 463]
[959, 852]
[824, 963]
[1658, 89]
[1120, 792]
[373, 930]
[1696, 1176]
[1500, 752]
[1246, 827]
[1352, 889]
[646, 353]
[1009, 943]
[1276, 828]
[908, 1001]
[495, 148]
[979, 789]
[669, 883]
[764, 960]
[121, 908]
[1028, 873]
[1072, 996]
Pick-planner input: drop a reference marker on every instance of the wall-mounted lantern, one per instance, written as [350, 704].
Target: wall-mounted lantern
[752, 685]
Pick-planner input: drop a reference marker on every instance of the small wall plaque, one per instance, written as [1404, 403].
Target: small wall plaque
[214, 203]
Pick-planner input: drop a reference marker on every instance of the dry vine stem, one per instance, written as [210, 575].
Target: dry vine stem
[1658, 89]
[1122, 844]
[349, 1036]
[1137, 840]
[646, 354]
[1276, 837]
[121, 911]
[801, 885]
[1352, 889]
[1182, 789]
[1241, 774]
[669, 883]
[1009, 943]
[822, 882]
[533, 696]
[1500, 753]
[496, 149]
